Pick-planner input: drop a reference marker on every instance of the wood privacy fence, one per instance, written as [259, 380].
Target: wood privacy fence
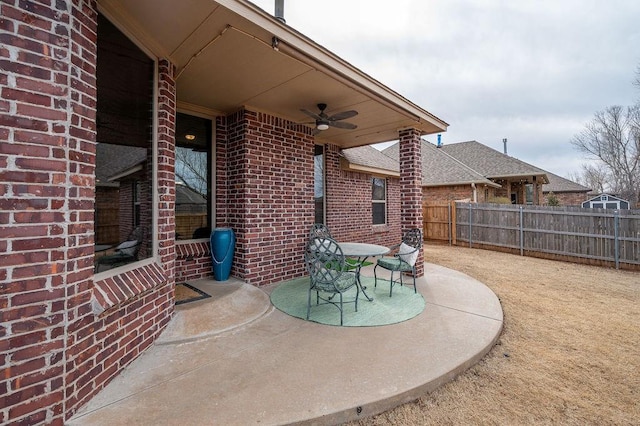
[597, 236]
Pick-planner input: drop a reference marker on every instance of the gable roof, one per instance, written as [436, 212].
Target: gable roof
[440, 168]
[558, 184]
[114, 162]
[491, 163]
[370, 160]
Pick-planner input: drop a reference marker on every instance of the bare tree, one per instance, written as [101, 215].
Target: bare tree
[593, 176]
[191, 169]
[612, 138]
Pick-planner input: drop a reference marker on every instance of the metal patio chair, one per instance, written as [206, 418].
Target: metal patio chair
[319, 230]
[328, 274]
[125, 252]
[404, 260]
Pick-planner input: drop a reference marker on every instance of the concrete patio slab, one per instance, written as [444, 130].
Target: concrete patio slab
[265, 367]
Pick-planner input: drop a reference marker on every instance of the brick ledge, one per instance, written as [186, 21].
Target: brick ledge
[192, 249]
[118, 289]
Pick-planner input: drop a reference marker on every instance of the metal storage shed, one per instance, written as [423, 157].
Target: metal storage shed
[606, 201]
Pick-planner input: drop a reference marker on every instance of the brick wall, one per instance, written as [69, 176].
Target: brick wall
[444, 194]
[349, 204]
[269, 187]
[568, 198]
[193, 261]
[63, 335]
[47, 128]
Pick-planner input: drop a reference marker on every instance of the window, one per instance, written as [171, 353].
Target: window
[124, 152]
[379, 200]
[318, 183]
[528, 189]
[193, 177]
[137, 196]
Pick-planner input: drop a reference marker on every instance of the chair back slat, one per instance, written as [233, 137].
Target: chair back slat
[319, 230]
[325, 261]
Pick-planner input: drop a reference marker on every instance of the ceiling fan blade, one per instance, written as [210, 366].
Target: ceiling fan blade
[343, 125]
[343, 115]
[312, 114]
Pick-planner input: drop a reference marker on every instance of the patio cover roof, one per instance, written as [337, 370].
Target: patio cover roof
[230, 54]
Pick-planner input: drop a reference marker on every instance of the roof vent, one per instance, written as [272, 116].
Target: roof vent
[279, 12]
[439, 141]
[504, 141]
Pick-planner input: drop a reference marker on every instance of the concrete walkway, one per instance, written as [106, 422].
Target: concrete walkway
[233, 359]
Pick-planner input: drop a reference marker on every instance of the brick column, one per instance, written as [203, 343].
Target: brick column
[270, 195]
[47, 162]
[166, 167]
[411, 184]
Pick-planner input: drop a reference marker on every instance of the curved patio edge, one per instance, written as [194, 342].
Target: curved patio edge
[450, 290]
[236, 304]
[273, 369]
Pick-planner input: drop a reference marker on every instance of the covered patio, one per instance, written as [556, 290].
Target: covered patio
[88, 75]
[209, 366]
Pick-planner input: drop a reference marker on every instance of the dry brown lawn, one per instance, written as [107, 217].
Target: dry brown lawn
[569, 352]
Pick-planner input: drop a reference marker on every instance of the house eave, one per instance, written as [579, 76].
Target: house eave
[374, 171]
[466, 183]
[288, 71]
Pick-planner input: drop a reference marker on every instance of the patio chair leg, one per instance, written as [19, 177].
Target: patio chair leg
[391, 284]
[309, 304]
[357, 294]
[415, 290]
[375, 276]
[340, 308]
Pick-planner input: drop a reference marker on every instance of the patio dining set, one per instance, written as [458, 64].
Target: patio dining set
[334, 267]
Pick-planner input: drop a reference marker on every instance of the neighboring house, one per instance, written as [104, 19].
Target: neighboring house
[567, 192]
[606, 201]
[225, 82]
[471, 171]
[445, 178]
[474, 172]
[520, 182]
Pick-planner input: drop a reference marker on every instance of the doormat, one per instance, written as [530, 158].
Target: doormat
[186, 293]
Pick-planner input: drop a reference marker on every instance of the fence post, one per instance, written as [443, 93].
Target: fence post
[470, 244]
[616, 249]
[454, 222]
[521, 232]
[450, 221]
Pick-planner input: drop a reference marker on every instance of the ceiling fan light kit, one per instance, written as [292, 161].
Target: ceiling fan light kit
[324, 121]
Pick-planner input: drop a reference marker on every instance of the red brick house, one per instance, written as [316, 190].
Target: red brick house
[477, 173]
[566, 192]
[215, 85]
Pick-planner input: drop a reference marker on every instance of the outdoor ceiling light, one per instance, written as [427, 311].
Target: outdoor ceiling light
[322, 125]
[189, 137]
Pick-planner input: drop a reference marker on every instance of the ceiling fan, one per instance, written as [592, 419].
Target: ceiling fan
[324, 121]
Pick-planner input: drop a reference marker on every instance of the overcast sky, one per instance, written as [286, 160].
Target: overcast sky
[534, 72]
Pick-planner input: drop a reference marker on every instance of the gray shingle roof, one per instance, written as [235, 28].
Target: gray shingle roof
[441, 169]
[460, 163]
[368, 156]
[489, 162]
[114, 159]
[558, 184]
